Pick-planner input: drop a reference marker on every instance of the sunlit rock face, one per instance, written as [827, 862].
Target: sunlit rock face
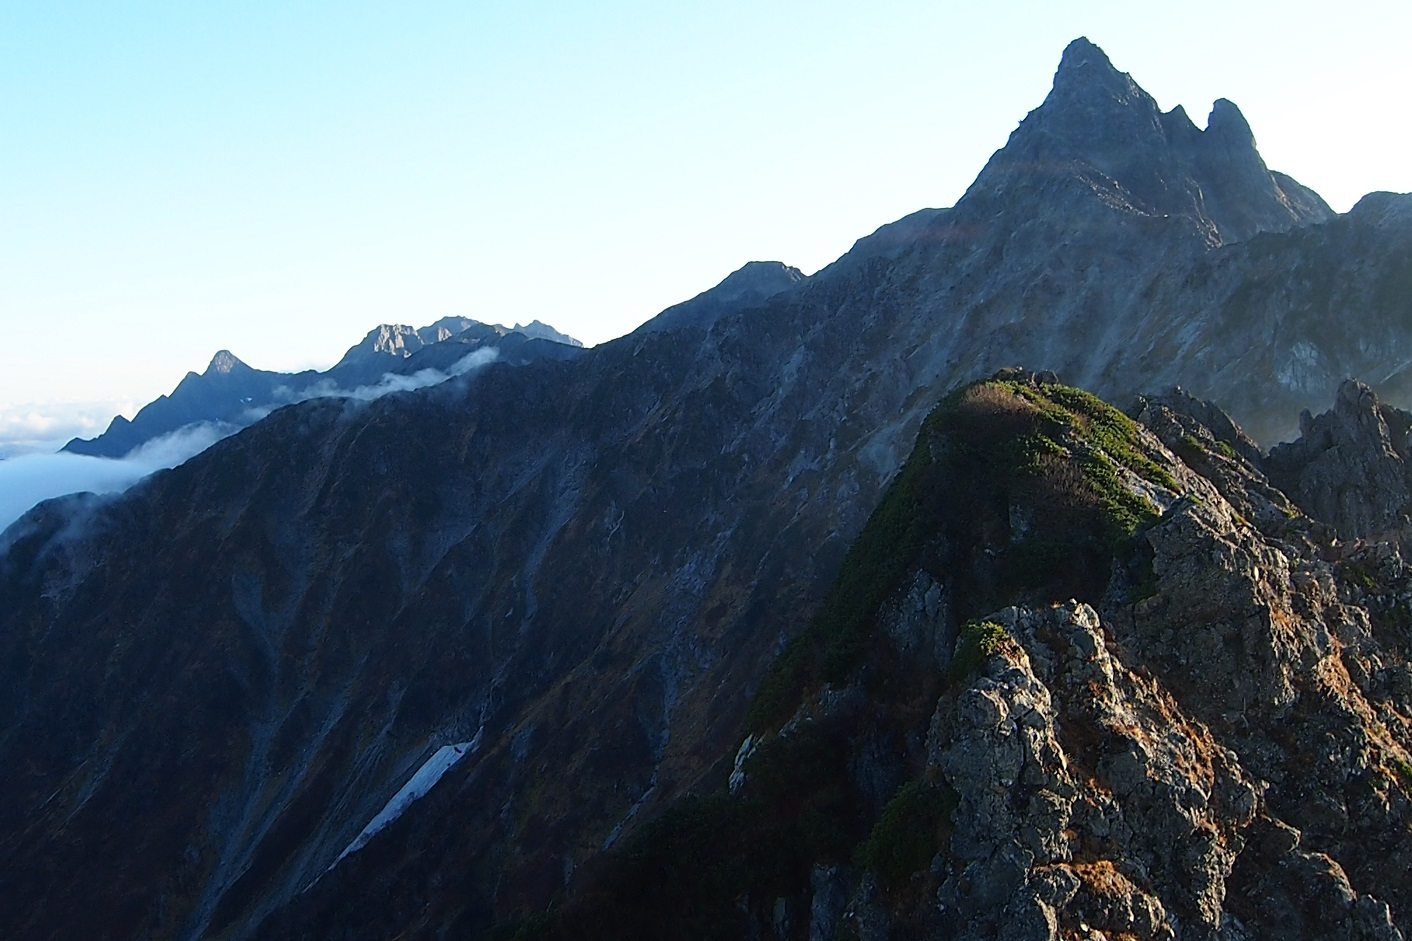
[584, 562]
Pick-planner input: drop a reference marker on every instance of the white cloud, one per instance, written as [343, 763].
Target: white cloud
[30, 478]
[389, 383]
[36, 430]
[30, 426]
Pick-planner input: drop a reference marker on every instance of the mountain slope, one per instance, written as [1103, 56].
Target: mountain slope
[1212, 741]
[580, 569]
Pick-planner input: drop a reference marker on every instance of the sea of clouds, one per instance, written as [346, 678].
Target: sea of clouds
[27, 479]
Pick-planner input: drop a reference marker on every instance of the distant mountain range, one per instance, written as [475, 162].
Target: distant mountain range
[231, 393]
[801, 612]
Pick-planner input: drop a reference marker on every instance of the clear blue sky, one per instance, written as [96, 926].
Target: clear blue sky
[278, 178]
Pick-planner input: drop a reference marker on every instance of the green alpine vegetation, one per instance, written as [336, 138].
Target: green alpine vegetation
[1014, 492]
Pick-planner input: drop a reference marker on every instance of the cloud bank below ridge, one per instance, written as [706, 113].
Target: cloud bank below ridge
[31, 478]
[28, 479]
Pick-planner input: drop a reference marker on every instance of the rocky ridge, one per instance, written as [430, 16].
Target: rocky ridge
[402, 340]
[1349, 466]
[231, 393]
[399, 341]
[581, 568]
[1218, 748]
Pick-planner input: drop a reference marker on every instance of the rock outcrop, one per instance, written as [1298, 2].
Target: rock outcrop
[537, 330]
[1349, 466]
[388, 341]
[402, 340]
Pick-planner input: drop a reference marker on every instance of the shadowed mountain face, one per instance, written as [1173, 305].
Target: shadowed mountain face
[580, 568]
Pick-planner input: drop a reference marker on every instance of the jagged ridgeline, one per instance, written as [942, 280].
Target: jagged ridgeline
[961, 745]
[579, 566]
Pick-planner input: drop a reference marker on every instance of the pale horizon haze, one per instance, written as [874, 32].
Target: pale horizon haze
[178, 178]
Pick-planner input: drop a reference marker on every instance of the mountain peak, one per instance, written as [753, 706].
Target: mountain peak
[1100, 140]
[1086, 74]
[751, 284]
[762, 277]
[224, 363]
[538, 330]
[1384, 209]
[1227, 124]
[1093, 113]
[1082, 52]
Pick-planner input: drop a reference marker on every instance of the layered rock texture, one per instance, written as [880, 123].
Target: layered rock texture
[575, 572]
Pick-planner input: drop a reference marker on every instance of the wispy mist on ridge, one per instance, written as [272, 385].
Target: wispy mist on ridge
[26, 479]
[388, 384]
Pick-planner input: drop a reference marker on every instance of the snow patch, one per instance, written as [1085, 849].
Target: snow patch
[742, 755]
[421, 783]
[632, 812]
